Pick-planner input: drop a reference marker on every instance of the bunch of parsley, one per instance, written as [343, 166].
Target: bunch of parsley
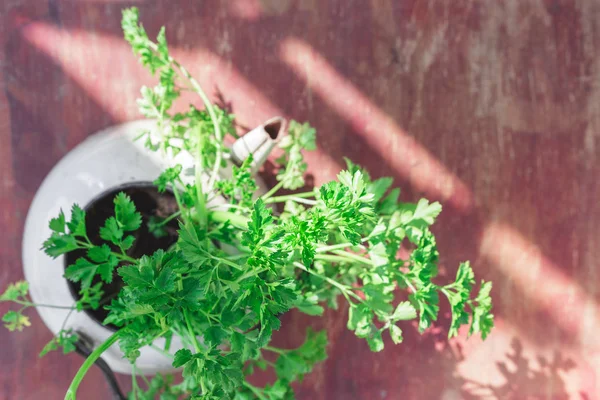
[342, 238]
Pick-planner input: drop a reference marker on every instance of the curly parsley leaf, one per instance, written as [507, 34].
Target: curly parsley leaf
[426, 212]
[292, 365]
[111, 231]
[182, 357]
[427, 303]
[160, 386]
[77, 223]
[126, 218]
[348, 206]
[57, 244]
[65, 339]
[300, 137]
[259, 220]
[404, 312]
[482, 319]
[15, 321]
[126, 214]
[222, 374]
[168, 177]
[103, 263]
[58, 224]
[15, 291]
[309, 305]
[90, 297]
[62, 241]
[458, 295]
[240, 188]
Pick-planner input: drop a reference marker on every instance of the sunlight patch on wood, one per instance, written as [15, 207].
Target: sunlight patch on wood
[409, 158]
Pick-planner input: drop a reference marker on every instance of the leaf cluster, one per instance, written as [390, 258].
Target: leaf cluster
[16, 292]
[300, 137]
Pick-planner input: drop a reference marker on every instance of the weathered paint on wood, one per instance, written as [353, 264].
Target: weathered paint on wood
[490, 107]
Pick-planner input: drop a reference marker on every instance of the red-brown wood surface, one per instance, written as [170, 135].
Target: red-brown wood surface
[490, 107]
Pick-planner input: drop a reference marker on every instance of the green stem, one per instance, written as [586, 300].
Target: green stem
[122, 257]
[325, 249]
[87, 239]
[273, 190]
[200, 201]
[169, 218]
[238, 256]
[215, 122]
[202, 384]
[251, 273]
[232, 206]
[332, 258]
[161, 351]
[134, 384]
[30, 304]
[210, 316]
[446, 293]
[191, 331]
[353, 256]
[221, 259]
[72, 390]
[179, 202]
[146, 381]
[168, 340]
[257, 392]
[274, 350]
[342, 288]
[62, 327]
[281, 199]
[238, 221]
[408, 283]
[341, 246]
[303, 201]
[195, 343]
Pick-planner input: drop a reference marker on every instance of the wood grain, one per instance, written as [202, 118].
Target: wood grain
[490, 107]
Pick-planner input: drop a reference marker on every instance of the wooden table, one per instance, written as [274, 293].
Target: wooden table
[490, 107]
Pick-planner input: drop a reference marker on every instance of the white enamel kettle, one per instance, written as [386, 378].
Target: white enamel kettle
[104, 161]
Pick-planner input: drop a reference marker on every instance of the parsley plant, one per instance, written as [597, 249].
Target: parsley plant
[342, 238]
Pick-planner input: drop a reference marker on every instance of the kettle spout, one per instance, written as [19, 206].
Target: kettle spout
[259, 142]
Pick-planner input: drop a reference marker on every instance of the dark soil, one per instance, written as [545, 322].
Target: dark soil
[149, 202]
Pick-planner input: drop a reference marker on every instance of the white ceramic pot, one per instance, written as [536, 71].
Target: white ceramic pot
[101, 163]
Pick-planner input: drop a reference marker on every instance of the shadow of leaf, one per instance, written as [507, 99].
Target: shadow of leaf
[522, 378]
